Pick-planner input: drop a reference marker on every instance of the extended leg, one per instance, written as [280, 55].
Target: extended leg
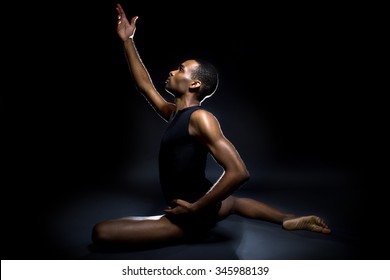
[254, 209]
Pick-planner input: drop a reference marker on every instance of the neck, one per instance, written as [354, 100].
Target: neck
[182, 103]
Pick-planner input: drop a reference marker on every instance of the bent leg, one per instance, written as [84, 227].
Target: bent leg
[137, 231]
[253, 209]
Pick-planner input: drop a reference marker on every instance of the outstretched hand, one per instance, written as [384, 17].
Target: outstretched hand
[125, 29]
[180, 207]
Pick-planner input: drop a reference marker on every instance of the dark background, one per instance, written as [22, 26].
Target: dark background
[289, 99]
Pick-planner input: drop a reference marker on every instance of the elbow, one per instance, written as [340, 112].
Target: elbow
[243, 176]
[239, 175]
[246, 176]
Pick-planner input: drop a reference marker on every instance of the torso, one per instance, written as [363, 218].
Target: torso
[182, 160]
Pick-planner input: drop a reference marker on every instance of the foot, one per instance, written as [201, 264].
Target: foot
[310, 223]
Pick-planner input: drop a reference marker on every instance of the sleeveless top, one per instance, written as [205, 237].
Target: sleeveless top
[182, 160]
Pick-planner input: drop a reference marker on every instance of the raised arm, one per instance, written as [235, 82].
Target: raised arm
[141, 77]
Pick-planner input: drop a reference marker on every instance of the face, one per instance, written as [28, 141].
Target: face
[179, 80]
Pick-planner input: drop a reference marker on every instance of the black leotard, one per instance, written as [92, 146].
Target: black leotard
[182, 160]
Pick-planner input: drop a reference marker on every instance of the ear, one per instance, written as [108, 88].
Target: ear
[195, 84]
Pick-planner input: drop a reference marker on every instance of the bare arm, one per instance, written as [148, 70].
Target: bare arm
[206, 128]
[143, 82]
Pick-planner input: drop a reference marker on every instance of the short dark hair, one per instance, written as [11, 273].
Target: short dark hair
[208, 75]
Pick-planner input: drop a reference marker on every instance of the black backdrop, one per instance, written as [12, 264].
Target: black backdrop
[289, 95]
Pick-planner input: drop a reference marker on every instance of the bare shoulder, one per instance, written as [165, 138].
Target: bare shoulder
[203, 117]
[203, 122]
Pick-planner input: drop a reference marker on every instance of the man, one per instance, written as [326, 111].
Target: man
[195, 204]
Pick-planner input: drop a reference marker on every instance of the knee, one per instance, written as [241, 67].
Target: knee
[100, 233]
[227, 207]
